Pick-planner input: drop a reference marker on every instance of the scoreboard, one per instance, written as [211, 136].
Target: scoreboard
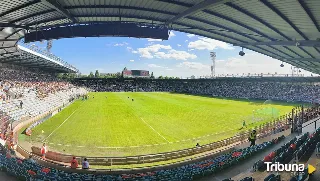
[139, 73]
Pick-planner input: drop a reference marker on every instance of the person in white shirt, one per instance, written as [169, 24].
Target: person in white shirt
[85, 164]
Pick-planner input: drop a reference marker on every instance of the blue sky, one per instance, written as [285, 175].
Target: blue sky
[182, 55]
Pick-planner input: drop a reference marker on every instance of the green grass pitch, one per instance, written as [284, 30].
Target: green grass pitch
[111, 124]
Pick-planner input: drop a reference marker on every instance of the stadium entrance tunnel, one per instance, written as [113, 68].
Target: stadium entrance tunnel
[117, 29]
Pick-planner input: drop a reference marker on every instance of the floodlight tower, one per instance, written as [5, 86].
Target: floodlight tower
[213, 66]
[49, 45]
[295, 71]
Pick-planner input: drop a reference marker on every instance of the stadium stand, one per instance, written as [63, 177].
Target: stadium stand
[231, 89]
[40, 94]
[284, 30]
[25, 169]
[28, 93]
[22, 168]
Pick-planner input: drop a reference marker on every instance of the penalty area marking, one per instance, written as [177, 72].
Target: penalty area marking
[154, 130]
[61, 123]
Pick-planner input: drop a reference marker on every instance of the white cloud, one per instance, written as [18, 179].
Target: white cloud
[194, 65]
[150, 39]
[175, 54]
[178, 45]
[148, 51]
[186, 40]
[121, 44]
[155, 66]
[191, 35]
[134, 51]
[164, 52]
[209, 44]
[131, 60]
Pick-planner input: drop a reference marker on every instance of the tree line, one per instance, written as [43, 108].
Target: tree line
[67, 76]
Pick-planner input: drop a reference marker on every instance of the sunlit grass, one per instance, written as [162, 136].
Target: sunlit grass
[111, 124]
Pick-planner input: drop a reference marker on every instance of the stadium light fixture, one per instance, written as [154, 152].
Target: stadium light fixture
[241, 53]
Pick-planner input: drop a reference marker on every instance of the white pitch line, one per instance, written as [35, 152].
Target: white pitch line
[62, 123]
[154, 130]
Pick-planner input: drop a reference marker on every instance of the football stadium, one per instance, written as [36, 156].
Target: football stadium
[199, 121]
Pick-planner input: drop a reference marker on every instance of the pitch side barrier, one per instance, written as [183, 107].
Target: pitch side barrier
[214, 148]
[65, 167]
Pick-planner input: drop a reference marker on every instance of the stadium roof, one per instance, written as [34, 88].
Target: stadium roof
[35, 58]
[288, 30]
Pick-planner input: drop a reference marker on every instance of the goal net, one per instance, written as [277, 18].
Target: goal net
[265, 114]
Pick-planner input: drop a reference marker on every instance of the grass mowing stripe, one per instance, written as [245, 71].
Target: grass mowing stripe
[112, 122]
[61, 123]
[154, 130]
[134, 111]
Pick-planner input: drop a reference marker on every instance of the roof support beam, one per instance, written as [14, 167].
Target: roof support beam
[179, 3]
[19, 7]
[119, 7]
[307, 10]
[196, 8]
[17, 30]
[7, 53]
[7, 47]
[55, 5]
[5, 25]
[275, 10]
[299, 43]
[31, 63]
[305, 59]
[8, 40]
[13, 60]
[32, 15]
[251, 15]
[259, 33]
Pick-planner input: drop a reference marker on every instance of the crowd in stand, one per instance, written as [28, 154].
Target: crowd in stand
[16, 83]
[37, 90]
[232, 89]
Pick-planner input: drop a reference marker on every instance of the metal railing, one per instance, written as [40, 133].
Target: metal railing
[50, 55]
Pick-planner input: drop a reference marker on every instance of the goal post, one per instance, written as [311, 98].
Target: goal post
[264, 114]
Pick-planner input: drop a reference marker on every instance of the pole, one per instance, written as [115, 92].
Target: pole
[292, 119]
[213, 66]
[302, 112]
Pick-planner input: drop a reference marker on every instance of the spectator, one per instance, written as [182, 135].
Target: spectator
[244, 124]
[21, 104]
[85, 164]
[253, 137]
[74, 163]
[44, 150]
